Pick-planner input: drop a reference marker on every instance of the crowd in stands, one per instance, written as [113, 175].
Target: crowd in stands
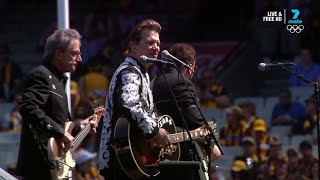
[101, 53]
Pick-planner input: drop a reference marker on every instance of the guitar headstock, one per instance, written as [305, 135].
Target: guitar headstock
[98, 108]
[215, 128]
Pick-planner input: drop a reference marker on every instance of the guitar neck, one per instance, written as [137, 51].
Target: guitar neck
[80, 136]
[183, 136]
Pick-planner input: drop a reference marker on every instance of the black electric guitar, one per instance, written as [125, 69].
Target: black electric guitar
[134, 151]
[62, 157]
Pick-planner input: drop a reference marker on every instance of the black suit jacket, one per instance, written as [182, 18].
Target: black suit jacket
[44, 109]
[164, 103]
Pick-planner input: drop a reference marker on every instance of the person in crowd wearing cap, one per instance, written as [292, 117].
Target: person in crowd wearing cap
[307, 159]
[249, 157]
[249, 114]
[261, 139]
[10, 73]
[275, 158]
[239, 170]
[86, 168]
[310, 123]
[232, 133]
[287, 112]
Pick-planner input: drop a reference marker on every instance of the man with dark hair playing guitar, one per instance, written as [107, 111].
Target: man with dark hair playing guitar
[186, 95]
[129, 97]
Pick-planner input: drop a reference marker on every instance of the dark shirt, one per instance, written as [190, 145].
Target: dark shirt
[44, 109]
[164, 103]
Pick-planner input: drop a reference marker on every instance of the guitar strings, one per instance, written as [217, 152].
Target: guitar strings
[80, 137]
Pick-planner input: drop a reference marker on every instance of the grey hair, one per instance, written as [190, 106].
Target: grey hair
[60, 39]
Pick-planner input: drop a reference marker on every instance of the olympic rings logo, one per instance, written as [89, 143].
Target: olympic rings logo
[295, 28]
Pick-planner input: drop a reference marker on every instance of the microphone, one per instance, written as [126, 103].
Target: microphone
[269, 66]
[166, 55]
[145, 59]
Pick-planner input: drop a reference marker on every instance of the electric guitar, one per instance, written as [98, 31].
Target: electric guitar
[62, 157]
[134, 151]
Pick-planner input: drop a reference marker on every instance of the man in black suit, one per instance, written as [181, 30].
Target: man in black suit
[44, 105]
[163, 100]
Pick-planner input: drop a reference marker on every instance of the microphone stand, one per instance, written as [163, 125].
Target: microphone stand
[192, 142]
[316, 92]
[176, 102]
[210, 135]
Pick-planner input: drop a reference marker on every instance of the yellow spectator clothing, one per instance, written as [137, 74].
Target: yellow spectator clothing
[91, 175]
[308, 164]
[75, 97]
[271, 164]
[217, 90]
[254, 119]
[15, 124]
[229, 137]
[263, 147]
[96, 86]
[309, 124]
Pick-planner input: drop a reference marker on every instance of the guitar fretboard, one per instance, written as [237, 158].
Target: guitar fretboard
[180, 137]
[80, 137]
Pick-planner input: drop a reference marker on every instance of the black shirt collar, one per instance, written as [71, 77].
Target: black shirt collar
[55, 71]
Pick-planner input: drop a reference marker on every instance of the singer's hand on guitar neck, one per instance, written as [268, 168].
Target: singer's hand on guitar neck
[160, 140]
[94, 124]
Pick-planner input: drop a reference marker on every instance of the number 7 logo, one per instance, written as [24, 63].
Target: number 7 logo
[296, 13]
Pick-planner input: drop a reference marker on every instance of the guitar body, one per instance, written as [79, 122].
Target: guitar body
[134, 150]
[62, 159]
[60, 156]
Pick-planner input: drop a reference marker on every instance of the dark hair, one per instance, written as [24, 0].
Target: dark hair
[285, 91]
[184, 52]
[305, 144]
[136, 33]
[249, 104]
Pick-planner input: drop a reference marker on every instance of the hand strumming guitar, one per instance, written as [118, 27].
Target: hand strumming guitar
[160, 140]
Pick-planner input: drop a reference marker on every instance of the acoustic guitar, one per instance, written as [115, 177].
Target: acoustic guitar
[62, 157]
[135, 152]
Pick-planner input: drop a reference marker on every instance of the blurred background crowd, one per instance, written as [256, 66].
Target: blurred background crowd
[267, 120]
